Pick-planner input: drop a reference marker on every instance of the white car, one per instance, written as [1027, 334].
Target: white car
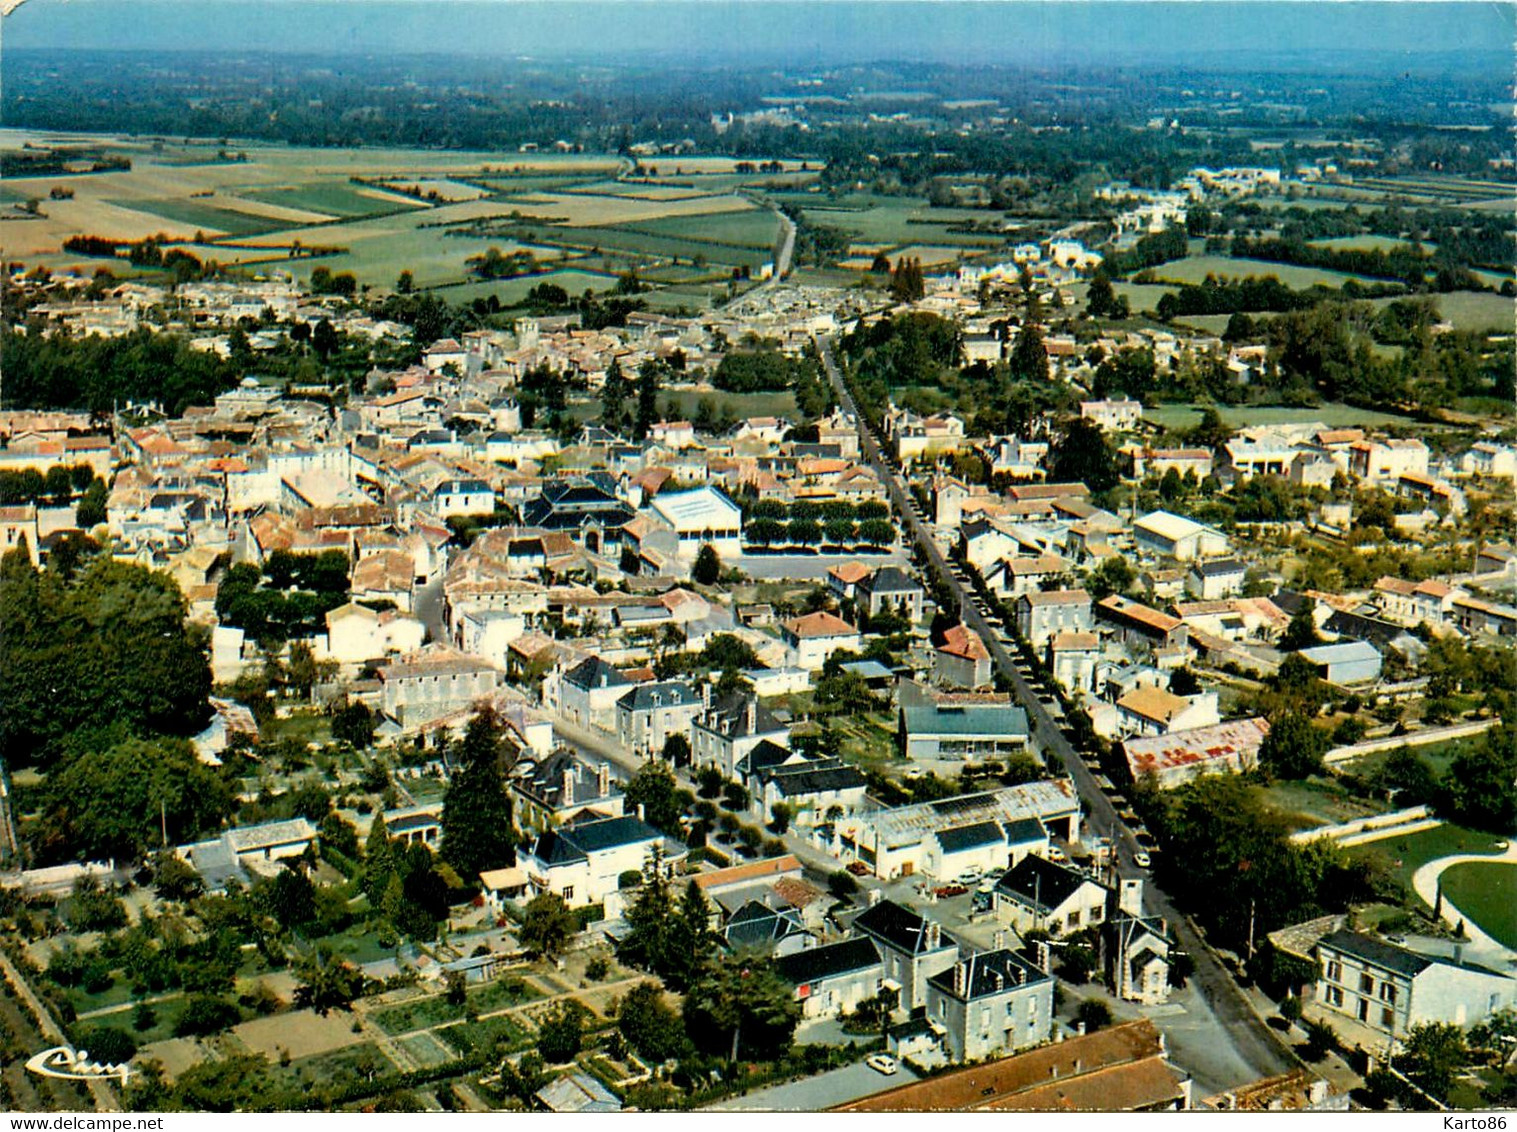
[882, 1063]
[1142, 859]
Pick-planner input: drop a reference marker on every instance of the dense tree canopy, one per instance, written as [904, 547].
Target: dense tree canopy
[108, 649]
[119, 800]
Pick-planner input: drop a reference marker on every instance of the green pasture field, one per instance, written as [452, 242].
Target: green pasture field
[335, 198]
[1210, 323]
[750, 228]
[1486, 891]
[1365, 243]
[511, 291]
[644, 244]
[205, 216]
[1195, 269]
[1330, 414]
[1478, 310]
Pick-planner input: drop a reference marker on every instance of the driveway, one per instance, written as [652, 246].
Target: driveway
[819, 1093]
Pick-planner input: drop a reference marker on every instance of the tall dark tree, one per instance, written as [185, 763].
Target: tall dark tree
[1029, 357]
[741, 999]
[477, 832]
[647, 398]
[1301, 633]
[613, 397]
[708, 566]
[653, 789]
[1081, 456]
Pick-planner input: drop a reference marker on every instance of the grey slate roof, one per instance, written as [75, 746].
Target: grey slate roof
[1041, 884]
[1378, 952]
[990, 973]
[962, 837]
[897, 926]
[828, 962]
[593, 672]
[663, 694]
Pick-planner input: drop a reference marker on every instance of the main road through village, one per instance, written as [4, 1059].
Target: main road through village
[1228, 1049]
[1255, 1043]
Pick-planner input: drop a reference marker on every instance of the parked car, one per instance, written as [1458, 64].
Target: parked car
[946, 890]
[1142, 859]
[882, 1063]
[858, 868]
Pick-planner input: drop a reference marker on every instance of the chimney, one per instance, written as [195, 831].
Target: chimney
[1077, 1065]
[640, 816]
[999, 939]
[603, 779]
[1130, 899]
[934, 935]
[568, 783]
[1080, 1029]
[751, 713]
[706, 695]
[958, 977]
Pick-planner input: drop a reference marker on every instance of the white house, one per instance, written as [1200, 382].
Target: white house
[463, 497]
[814, 637]
[582, 863]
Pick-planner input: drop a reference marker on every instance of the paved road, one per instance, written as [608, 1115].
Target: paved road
[1256, 1044]
[819, 1093]
[809, 567]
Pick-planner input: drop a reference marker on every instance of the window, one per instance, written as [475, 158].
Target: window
[1335, 971]
[1388, 993]
[1364, 1010]
[1366, 984]
[1335, 996]
[1387, 1017]
[568, 894]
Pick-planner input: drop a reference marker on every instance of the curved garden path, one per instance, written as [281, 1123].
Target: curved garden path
[1425, 882]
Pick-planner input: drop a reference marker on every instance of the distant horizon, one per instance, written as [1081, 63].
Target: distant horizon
[800, 33]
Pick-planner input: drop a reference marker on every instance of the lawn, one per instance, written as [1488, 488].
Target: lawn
[1487, 892]
[510, 291]
[1403, 856]
[1329, 413]
[1366, 243]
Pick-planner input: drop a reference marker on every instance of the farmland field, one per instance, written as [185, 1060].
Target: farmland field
[206, 217]
[1195, 269]
[334, 198]
[252, 208]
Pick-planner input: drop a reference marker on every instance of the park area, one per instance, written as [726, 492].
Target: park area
[1486, 891]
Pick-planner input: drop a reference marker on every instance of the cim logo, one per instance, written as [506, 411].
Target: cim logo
[71, 1065]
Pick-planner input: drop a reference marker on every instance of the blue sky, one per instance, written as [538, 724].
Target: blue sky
[761, 30]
